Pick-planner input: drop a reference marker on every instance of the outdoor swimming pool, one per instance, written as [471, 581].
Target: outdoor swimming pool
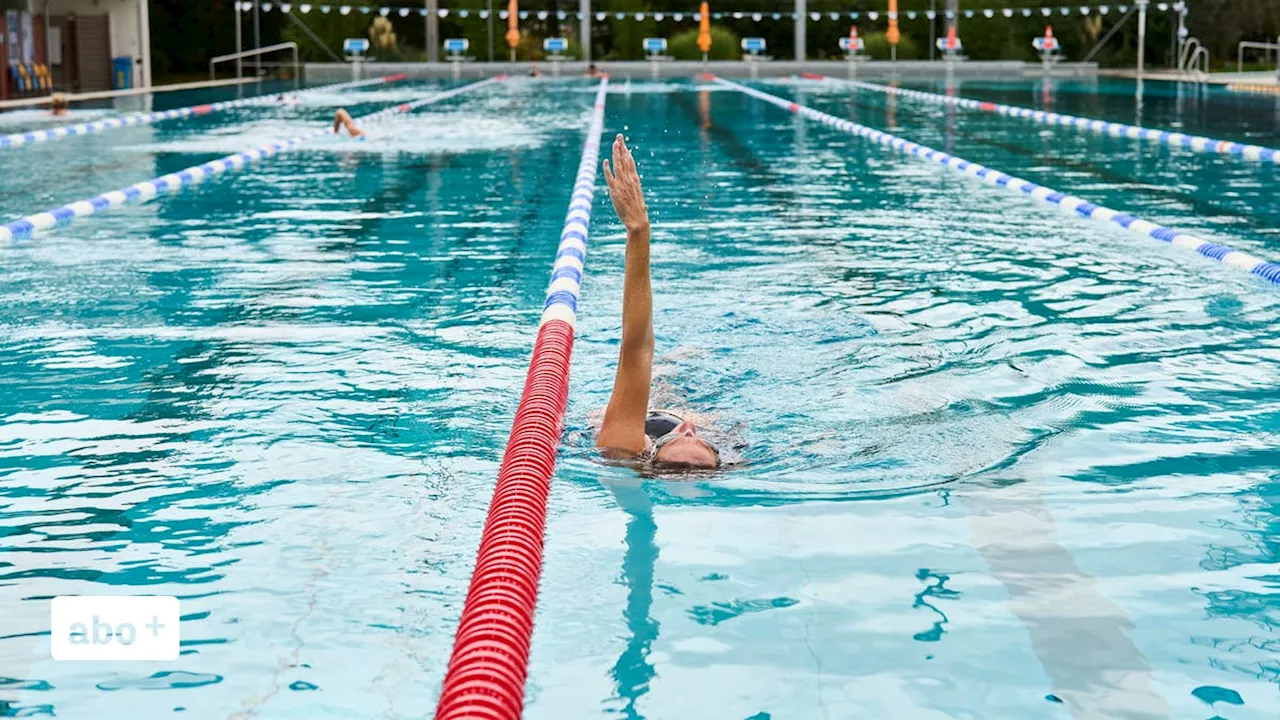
[1000, 461]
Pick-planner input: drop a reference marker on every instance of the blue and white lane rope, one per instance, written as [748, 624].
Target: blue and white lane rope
[1221, 253]
[97, 126]
[148, 189]
[566, 274]
[1196, 143]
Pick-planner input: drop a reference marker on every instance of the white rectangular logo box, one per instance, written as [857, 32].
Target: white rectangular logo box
[114, 627]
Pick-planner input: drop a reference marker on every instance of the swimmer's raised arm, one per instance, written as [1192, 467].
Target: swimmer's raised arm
[342, 119]
[623, 427]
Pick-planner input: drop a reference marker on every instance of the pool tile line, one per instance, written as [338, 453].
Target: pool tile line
[1196, 143]
[1221, 253]
[98, 126]
[490, 660]
[148, 189]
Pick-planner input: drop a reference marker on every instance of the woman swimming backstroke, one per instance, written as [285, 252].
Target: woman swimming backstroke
[629, 428]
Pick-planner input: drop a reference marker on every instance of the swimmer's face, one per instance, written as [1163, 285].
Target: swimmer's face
[687, 448]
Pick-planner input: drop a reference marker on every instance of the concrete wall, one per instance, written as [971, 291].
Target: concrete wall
[643, 70]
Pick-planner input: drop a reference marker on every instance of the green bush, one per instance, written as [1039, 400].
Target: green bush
[725, 45]
[877, 47]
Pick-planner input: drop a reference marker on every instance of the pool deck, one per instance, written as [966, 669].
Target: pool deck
[36, 100]
[670, 69]
[1218, 78]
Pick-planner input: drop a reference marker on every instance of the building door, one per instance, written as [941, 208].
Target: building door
[59, 51]
[92, 55]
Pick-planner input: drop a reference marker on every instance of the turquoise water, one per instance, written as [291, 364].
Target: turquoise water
[1000, 462]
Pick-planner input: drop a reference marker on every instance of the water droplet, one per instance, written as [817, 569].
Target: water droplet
[626, 128]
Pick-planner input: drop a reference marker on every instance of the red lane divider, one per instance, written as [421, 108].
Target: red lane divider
[489, 666]
[490, 659]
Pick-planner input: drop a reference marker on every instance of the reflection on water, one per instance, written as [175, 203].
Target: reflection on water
[998, 462]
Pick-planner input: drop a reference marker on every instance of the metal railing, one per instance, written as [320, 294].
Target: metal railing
[1251, 45]
[256, 52]
[1193, 59]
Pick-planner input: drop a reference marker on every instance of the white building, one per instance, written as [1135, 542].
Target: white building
[77, 45]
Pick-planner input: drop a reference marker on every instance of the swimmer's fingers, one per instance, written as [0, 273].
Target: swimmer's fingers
[622, 156]
[608, 174]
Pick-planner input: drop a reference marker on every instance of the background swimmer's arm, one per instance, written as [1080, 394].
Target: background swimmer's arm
[343, 119]
[623, 427]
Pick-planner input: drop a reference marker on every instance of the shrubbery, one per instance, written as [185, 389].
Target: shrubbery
[877, 47]
[725, 45]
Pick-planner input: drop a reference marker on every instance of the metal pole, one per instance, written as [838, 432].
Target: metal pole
[584, 29]
[257, 37]
[490, 6]
[144, 45]
[239, 44]
[433, 31]
[801, 16]
[933, 27]
[1142, 37]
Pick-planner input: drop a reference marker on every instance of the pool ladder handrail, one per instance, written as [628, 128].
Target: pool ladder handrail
[1193, 59]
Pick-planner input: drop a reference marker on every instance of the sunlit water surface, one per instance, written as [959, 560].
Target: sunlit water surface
[997, 462]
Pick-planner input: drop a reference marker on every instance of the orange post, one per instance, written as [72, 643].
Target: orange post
[513, 27]
[893, 35]
[704, 32]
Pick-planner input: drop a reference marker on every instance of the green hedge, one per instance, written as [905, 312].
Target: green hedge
[725, 45]
[877, 46]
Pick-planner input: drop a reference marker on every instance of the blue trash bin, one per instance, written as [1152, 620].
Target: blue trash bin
[122, 73]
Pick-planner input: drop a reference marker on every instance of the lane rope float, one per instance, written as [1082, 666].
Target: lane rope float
[149, 189]
[135, 119]
[1255, 88]
[1195, 143]
[1221, 253]
[490, 659]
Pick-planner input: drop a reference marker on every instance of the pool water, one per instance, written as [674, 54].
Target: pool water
[998, 462]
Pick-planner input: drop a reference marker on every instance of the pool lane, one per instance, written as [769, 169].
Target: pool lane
[872, 327]
[1259, 267]
[172, 183]
[49, 174]
[287, 406]
[1202, 194]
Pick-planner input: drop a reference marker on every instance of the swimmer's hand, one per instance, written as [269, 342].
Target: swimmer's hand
[624, 188]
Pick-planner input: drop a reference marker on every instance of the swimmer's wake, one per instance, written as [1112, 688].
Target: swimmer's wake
[148, 189]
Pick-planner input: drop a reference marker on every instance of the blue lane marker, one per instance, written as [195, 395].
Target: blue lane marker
[1172, 139]
[563, 297]
[1221, 253]
[565, 286]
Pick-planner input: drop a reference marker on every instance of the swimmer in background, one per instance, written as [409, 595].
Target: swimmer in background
[593, 71]
[342, 120]
[288, 100]
[630, 429]
[535, 72]
[58, 105]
